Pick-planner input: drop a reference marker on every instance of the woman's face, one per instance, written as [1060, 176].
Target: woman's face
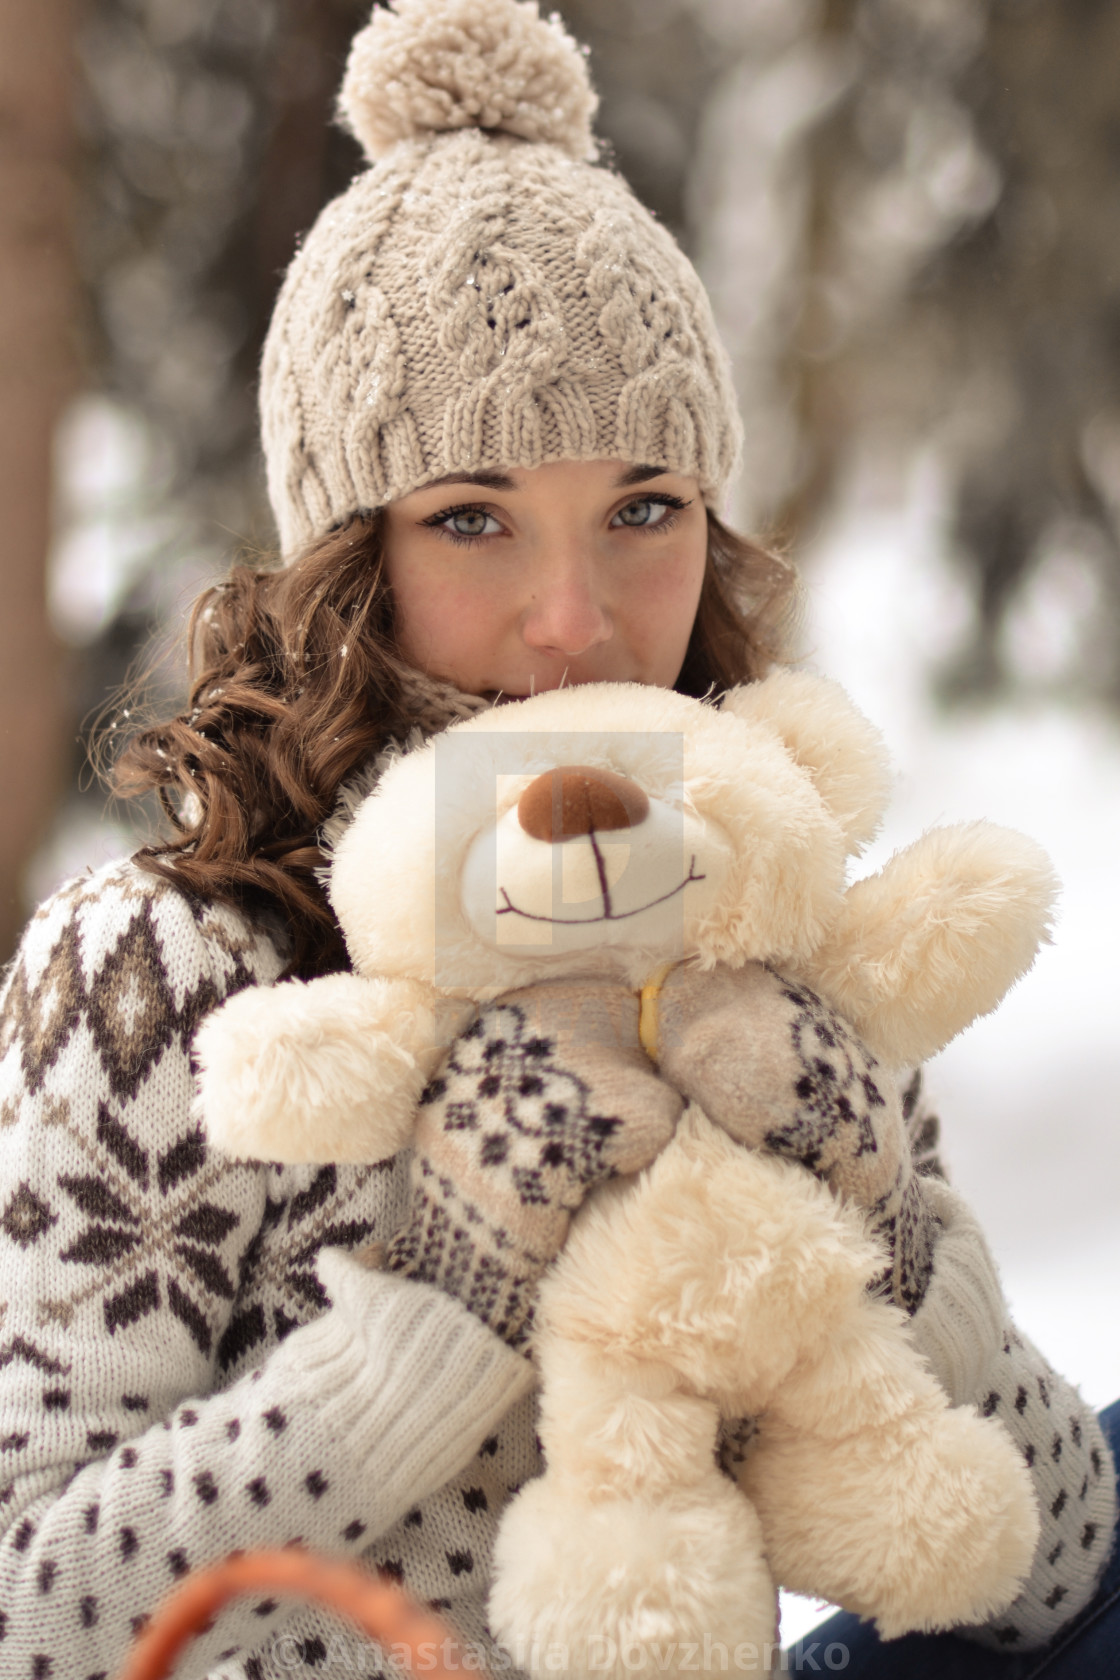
[574, 572]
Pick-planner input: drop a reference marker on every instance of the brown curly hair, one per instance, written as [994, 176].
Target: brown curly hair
[295, 683]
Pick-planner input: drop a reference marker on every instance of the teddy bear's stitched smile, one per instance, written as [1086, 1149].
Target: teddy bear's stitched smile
[608, 913]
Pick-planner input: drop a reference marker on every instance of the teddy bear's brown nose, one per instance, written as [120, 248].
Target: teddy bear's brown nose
[573, 799]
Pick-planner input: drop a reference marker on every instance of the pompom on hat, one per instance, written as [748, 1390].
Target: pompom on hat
[430, 66]
[485, 295]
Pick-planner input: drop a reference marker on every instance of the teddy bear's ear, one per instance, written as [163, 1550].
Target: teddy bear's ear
[829, 738]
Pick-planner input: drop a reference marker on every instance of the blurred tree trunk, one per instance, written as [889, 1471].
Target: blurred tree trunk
[36, 377]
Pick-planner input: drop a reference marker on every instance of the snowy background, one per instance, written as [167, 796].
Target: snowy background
[1028, 1097]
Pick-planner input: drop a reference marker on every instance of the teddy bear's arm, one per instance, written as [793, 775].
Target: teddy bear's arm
[324, 1070]
[936, 938]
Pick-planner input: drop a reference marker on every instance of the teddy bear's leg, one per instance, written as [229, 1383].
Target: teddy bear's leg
[874, 1493]
[745, 1281]
[632, 1551]
[688, 1292]
[633, 1537]
[871, 1490]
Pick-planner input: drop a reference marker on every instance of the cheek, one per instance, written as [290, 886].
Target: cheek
[663, 605]
[438, 617]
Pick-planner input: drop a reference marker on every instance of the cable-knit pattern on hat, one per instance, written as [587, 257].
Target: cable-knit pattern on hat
[477, 300]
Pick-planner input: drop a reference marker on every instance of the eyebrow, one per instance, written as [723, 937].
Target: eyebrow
[502, 481]
[638, 475]
[487, 480]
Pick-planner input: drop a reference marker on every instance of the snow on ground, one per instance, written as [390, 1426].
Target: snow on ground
[1028, 1096]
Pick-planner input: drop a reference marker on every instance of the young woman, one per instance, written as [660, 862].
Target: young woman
[497, 425]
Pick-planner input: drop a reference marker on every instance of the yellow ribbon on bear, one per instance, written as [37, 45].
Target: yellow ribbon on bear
[648, 1015]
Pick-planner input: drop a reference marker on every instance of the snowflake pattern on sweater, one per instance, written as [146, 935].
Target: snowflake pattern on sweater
[181, 1370]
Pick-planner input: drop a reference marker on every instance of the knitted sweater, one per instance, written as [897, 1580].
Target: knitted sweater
[175, 1380]
[190, 1361]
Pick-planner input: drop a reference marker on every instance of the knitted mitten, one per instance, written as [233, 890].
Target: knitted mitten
[772, 1064]
[547, 1093]
[964, 1329]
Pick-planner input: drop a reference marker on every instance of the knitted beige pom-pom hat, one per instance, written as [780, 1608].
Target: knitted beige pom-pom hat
[485, 295]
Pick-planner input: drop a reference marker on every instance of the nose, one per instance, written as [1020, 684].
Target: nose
[565, 614]
[573, 800]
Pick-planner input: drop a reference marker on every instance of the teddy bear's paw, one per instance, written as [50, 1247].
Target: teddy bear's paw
[979, 1528]
[937, 937]
[924, 1524]
[604, 1589]
[330, 1070]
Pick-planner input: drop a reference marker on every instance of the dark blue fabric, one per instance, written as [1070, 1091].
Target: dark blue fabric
[1089, 1649]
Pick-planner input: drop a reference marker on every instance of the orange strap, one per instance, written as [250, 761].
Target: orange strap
[381, 1609]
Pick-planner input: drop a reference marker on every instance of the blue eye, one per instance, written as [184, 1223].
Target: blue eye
[464, 524]
[470, 522]
[647, 512]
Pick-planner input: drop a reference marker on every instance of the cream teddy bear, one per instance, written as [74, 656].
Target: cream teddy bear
[627, 831]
